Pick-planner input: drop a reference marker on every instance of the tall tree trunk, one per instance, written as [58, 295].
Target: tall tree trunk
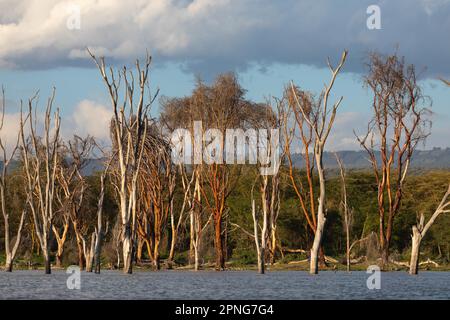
[385, 256]
[218, 243]
[156, 261]
[347, 235]
[191, 236]
[172, 246]
[81, 258]
[8, 264]
[127, 249]
[415, 251]
[47, 265]
[314, 262]
[196, 259]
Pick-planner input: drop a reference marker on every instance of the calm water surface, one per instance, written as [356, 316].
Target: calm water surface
[224, 285]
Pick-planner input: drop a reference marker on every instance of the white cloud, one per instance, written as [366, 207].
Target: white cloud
[216, 35]
[9, 132]
[88, 118]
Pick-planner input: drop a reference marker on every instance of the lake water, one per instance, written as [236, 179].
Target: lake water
[224, 285]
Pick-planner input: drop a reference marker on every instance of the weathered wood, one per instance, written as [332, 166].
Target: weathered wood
[419, 231]
[320, 121]
[41, 161]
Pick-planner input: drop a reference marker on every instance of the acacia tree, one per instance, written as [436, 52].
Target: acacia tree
[398, 125]
[219, 106]
[316, 117]
[269, 187]
[10, 248]
[128, 132]
[420, 229]
[176, 221]
[41, 159]
[182, 113]
[156, 186]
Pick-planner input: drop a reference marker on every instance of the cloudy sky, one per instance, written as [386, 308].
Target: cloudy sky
[267, 42]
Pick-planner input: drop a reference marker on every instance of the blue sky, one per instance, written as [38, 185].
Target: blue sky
[268, 43]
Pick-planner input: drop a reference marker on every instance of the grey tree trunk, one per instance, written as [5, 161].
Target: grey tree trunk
[420, 230]
[314, 258]
[416, 239]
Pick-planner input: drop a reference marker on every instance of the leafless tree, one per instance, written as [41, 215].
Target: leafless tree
[419, 231]
[73, 185]
[100, 232]
[319, 118]
[269, 188]
[157, 181]
[41, 161]
[398, 125]
[10, 252]
[347, 212]
[129, 127]
[176, 221]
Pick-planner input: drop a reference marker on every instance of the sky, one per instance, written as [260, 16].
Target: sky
[267, 43]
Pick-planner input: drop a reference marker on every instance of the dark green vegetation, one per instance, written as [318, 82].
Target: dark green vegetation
[423, 192]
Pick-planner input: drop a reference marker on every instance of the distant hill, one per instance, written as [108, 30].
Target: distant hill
[435, 158]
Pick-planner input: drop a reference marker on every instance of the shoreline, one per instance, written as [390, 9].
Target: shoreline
[277, 267]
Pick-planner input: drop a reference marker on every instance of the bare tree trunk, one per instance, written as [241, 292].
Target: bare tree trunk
[259, 256]
[156, 261]
[41, 163]
[127, 252]
[89, 252]
[47, 264]
[79, 241]
[8, 264]
[314, 262]
[129, 132]
[347, 235]
[347, 212]
[320, 120]
[61, 240]
[196, 257]
[5, 160]
[420, 230]
[416, 239]
[218, 243]
[173, 240]
[385, 256]
[191, 237]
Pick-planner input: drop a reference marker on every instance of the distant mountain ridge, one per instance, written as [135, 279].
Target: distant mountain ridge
[436, 158]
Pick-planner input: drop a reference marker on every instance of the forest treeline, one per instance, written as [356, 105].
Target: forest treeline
[141, 208]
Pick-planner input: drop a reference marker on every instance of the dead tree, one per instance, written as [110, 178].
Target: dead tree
[128, 132]
[73, 186]
[269, 190]
[175, 222]
[99, 232]
[10, 248]
[419, 231]
[92, 240]
[320, 119]
[41, 160]
[345, 209]
[157, 188]
[61, 234]
[398, 125]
